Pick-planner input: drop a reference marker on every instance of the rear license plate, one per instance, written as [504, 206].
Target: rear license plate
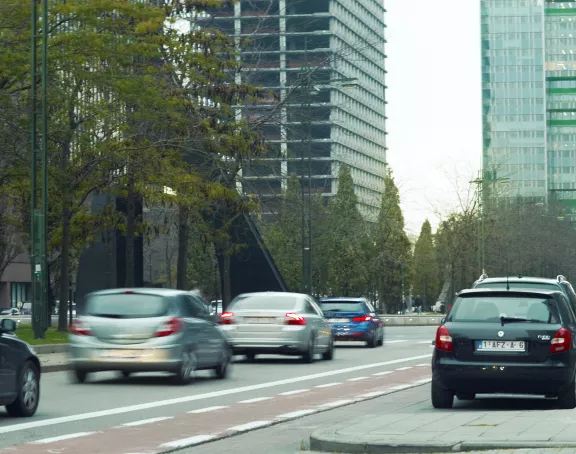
[339, 320]
[260, 320]
[501, 346]
[120, 354]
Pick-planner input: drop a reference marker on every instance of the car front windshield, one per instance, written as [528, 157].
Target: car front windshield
[494, 309]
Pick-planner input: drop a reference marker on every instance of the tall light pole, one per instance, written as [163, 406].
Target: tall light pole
[38, 211]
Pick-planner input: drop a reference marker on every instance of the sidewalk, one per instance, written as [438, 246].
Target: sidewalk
[409, 424]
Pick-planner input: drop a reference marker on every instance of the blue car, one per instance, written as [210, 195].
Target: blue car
[353, 319]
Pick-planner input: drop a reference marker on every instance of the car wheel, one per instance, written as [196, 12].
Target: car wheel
[441, 398]
[28, 398]
[567, 398]
[79, 376]
[381, 341]
[221, 370]
[372, 343]
[187, 371]
[469, 396]
[309, 355]
[328, 355]
[126, 374]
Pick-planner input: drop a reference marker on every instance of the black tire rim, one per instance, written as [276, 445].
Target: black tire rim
[29, 389]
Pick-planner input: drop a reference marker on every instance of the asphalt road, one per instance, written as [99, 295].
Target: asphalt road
[108, 401]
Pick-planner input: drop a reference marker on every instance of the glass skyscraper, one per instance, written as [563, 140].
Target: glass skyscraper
[529, 96]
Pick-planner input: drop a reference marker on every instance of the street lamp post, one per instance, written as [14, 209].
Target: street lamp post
[38, 211]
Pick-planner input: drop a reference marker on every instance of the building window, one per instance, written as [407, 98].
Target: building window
[19, 292]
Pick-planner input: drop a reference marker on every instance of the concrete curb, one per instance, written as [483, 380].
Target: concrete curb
[55, 368]
[328, 440]
[50, 348]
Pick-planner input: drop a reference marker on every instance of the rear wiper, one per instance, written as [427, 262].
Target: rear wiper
[109, 315]
[506, 319]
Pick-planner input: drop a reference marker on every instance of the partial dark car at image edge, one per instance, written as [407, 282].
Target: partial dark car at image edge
[506, 342]
[19, 373]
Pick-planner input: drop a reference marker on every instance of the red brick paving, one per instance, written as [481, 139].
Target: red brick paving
[148, 438]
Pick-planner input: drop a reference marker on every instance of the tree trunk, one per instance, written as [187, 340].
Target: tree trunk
[168, 264]
[225, 278]
[65, 240]
[130, 234]
[183, 240]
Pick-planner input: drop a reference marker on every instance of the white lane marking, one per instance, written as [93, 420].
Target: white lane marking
[422, 365]
[423, 381]
[147, 421]
[425, 342]
[328, 385]
[357, 378]
[404, 368]
[256, 399]
[187, 441]
[373, 394]
[395, 341]
[62, 438]
[195, 397]
[249, 426]
[383, 373]
[296, 391]
[296, 414]
[336, 403]
[207, 409]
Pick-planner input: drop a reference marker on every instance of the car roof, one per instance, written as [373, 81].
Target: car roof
[294, 294]
[342, 298]
[146, 290]
[540, 280]
[517, 292]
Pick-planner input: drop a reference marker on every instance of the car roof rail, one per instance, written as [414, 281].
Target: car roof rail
[561, 278]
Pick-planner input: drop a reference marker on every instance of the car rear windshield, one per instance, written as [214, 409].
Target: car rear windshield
[490, 308]
[262, 302]
[520, 285]
[342, 306]
[124, 305]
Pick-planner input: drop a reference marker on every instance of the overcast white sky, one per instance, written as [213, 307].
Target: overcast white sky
[434, 103]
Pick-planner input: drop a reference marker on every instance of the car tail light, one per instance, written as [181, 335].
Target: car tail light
[443, 339]
[364, 318]
[561, 341]
[226, 318]
[172, 326]
[78, 328]
[294, 319]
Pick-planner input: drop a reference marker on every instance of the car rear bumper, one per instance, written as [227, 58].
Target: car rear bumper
[483, 378]
[292, 340]
[138, 360]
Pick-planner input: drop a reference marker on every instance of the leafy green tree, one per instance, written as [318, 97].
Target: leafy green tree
[425, 267]
[393, 256]
[347, 272]
[284, 237]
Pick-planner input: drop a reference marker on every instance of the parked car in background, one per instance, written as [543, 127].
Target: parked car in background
[354, 319]
[506, 342]
[11, 311]
[147, 330]
[277, 323]
[19, 373]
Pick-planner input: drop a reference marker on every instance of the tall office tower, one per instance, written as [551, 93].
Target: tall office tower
[529, 97]
[323, 64]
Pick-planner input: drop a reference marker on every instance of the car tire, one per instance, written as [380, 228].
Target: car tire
[469, 396]
[310, 354]
[328, 355]
[125, 373]
[28, 398]
[187, 371]
[381, 341]
[221, 370]
[372, 343]
[79, 376]
[567, 397]
[441, 398]
[250, 357]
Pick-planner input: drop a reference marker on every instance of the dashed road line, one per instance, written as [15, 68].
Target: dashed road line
[328, 385]
[208, 409]
[146, 421]
[62, 438]
[256, 399]
[403, 368]
[296, 391]
[383, 373]
[357, 379]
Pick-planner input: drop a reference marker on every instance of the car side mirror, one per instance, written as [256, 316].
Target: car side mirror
[8, 325]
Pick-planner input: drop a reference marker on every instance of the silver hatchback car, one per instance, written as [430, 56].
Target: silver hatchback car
[147, 330]
[277, 323]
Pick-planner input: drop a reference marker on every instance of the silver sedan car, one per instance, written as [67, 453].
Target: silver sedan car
[147, 330]
[277, 323]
